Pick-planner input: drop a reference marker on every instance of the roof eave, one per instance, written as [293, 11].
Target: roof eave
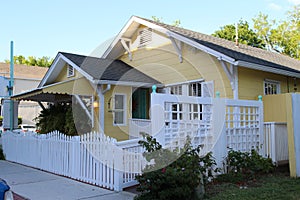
[266, 68]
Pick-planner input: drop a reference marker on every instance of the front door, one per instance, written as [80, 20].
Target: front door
[140, 103]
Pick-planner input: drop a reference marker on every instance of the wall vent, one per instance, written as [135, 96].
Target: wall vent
[70, 71]
[145, 36]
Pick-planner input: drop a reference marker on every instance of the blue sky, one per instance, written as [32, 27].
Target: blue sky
[45, 27]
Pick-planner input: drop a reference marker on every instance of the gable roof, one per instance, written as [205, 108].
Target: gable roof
[100, 70]
[241, 52]
[242, 55]
[23, 71]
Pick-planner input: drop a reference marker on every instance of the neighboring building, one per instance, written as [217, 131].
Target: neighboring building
[25, 78]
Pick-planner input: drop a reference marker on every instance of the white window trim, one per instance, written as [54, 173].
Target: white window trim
[124, 109]
[68, 71]
[272, 82]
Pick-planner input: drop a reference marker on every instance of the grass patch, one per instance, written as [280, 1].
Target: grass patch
[272, 186]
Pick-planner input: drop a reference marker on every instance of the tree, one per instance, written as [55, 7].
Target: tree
[245, 34]
[32, 61]
[176, 22]
[283, 37]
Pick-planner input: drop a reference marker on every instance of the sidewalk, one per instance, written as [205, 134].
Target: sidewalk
[35, 184]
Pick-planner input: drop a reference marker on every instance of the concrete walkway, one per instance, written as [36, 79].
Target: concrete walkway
[36, 185]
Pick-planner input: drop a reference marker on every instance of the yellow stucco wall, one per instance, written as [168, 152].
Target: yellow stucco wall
[251, 83]
[118, 132]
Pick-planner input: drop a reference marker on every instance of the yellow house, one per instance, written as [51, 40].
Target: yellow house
[176, 60]
[146, 56]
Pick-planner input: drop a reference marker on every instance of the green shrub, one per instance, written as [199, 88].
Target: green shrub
[243, 166]
[20, 120]
[56, 117]
[173, 175]
[2, 156]
[1, 120]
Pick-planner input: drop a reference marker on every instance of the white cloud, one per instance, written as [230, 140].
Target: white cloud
[295, 2]
[274, 6]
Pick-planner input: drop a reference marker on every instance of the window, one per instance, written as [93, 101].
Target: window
[271, 87]
[145, 36]
[119, 109]
[70, 71]
[195, 89]
[176, 90]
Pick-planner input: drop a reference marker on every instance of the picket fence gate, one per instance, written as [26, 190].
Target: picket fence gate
[92, 158]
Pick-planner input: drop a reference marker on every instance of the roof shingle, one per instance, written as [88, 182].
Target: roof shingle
[106, 69]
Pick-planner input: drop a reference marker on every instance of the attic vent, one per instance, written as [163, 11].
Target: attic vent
[145, 36]
[70, 71]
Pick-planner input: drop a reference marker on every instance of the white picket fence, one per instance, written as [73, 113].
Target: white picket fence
[216, 124]
[93, 158]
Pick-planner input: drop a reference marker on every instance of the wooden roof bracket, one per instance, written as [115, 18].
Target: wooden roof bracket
[126, 44]
[228, 72]
[232, 74]
[177, 47]
[84, 107]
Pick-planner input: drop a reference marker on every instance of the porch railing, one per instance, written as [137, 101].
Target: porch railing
[137, 126]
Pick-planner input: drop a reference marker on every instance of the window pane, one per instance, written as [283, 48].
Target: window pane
[119, 117]
[272, 87]
[195, 89]
[119, 101]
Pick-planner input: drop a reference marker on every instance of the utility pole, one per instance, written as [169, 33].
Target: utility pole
[11, 85]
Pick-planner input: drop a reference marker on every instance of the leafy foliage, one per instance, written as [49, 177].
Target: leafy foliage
[56, 117]
[243, 166]
[2, 156]
[284, 36]
[173, 175]
[32, 61]
[245, 34]
[176, 22]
